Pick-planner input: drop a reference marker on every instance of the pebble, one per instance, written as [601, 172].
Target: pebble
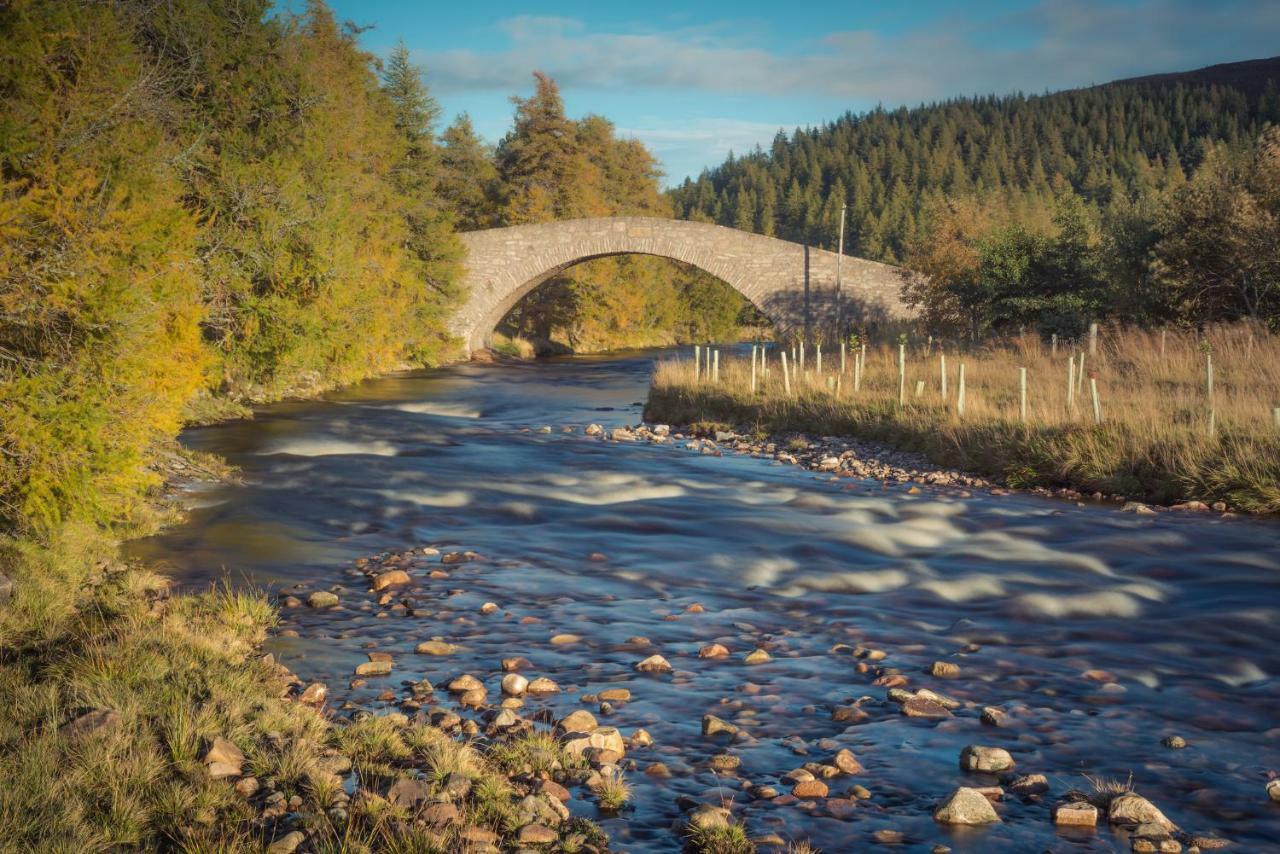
[322, 599]
[542, 685]
[615, 695]
[1174, 742]
[393, 578]
[994, 716]
[373, 668]
[1273, 791]
[489, 608]
[288, 843]
[809, 789]
[564, 639]
[847, 762]
[435, 647]
[578, 721]
[712, 725]
[514, 685]
[945, 669]
[465, 682]
[724, 762]
[714, 650]
[654, 664]
[1030, 784]
[918, 707]
[757, 656]
[988, 760]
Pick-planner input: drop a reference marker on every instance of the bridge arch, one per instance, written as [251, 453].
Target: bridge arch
[791, 284]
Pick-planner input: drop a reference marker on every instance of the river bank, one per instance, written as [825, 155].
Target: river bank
[1145, 430]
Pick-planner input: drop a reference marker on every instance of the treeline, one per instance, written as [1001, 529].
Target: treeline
[551, 167]
[1063, 195]
[199, 197]
[1110, 144]
[1203, 252]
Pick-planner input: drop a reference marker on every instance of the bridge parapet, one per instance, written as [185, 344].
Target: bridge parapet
[793, 285]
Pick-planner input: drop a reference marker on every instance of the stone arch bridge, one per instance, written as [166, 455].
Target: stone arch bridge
[793, 285]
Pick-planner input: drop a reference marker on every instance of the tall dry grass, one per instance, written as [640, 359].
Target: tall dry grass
[1161, 436]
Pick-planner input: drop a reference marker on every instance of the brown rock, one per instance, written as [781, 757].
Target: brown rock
[373, 668]
[578, 721]
[465, 682]
[536, 834]
[654, 664]
[314, 694]
[223, 759]
[847, 762]
[809, 789]
[543, 685]
[986, 760]
[394, 578]
[917, 707]
[435, 647]
[615, 695]
[1133, 809]
[714, 650]
[945, 669]
[1076, 814]
[712, 725]
[85, 725]
[440, 814]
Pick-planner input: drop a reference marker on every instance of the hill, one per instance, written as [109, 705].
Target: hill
[1110, 143]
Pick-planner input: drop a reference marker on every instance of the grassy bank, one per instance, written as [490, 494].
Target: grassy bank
[142, 720]
[1161, 436]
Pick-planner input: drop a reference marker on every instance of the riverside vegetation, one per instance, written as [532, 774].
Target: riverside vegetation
[1180, 418]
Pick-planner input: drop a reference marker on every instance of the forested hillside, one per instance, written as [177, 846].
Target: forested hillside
[1045, 210]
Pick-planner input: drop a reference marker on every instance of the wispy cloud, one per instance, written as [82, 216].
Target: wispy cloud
[1060, 44]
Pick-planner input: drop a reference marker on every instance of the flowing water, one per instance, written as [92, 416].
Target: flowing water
[1099, 632]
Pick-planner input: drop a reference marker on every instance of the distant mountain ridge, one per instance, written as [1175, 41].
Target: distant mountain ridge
[1251, 76]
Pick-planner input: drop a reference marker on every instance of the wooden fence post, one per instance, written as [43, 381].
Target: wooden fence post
[697, 363]
[1022, 393]
[786, 377]
[1093, 339]
[1097, 406]
[960, 393]
[942, 373]
[902, 375]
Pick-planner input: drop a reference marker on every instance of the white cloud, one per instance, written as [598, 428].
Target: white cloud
[1070, 43]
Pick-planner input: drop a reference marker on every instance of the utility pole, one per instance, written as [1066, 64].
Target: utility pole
[839, 265]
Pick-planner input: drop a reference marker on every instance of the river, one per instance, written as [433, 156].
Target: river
[1099, 632]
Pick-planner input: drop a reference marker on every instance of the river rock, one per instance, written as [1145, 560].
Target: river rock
[409, 792]
[758, 656]
[314, 694]
[536, 834]
[322, 599]
[1174, 742]
[654, 664]
[514, 663]
[987, 760]
[707, 817]
[393, 578]
[465, 682]
[514, 685]
[489, 608]
[564, 639]
[945, 669]
[1029, 784]
[847, 762]
[373, 668]
[1076, 814]
[614, 695]
[578, 721]
[602, 739]
[223, 759]
[965, 806]
[1133, 809]
[1273, 790]
[714, 650]
[994, 716]
[724, 762]
[593, 430]
[542, 685]
[918, 707]
[435, 647]
[712, 725]
[806, 789]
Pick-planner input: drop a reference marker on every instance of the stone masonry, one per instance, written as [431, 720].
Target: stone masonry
[793, 285]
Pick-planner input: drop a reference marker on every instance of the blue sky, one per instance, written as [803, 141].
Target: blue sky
[694, 80]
